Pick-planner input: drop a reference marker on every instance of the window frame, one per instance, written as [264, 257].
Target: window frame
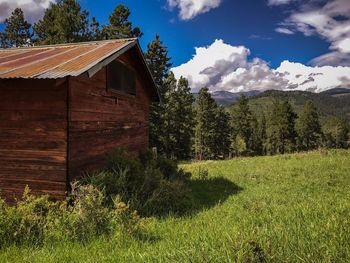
[116, 91]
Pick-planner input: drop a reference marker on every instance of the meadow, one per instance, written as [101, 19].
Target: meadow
[290, 208]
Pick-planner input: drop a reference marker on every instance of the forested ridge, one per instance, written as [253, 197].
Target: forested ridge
[329, 103]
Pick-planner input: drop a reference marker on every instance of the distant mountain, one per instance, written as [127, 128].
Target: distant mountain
[226, 98]
[338, 92]
[334, 102]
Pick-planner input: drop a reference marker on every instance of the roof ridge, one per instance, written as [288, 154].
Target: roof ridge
[71, 44]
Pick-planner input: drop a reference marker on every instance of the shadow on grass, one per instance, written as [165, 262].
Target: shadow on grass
[208, 193]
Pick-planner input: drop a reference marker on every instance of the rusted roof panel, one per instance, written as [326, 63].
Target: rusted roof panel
[59, 61]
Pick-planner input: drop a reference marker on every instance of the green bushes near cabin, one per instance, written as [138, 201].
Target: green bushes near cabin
[35, 220]
[101, 204]
[151, 185]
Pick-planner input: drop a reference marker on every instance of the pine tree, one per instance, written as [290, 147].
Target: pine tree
[63, 22]
[262, 134]
[119, 25]
[281, 134]
[336, 133]
[159, 63]
[256, 140]
[95, 30]
[222, 138]
[17, 31]
[241, 123]
[309, 128]
[166, 137]
[158, 60]
[205, 110]
[342, 134]
[178, 118]
[183, 128]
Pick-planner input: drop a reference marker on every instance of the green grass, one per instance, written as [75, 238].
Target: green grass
[292, 208]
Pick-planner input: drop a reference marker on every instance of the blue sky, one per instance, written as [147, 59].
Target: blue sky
[238, 45]
[242, 22]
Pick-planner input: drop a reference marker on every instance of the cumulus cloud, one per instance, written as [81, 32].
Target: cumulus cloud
[33, 9]
[331, 21]
[191, 8]
[315, 79]
[221, 66]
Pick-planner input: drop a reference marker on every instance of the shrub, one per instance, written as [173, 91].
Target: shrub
[25, 222]
[82, 217]
[150, 185]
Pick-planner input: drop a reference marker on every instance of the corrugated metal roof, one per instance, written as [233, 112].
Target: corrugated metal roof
[58, 61]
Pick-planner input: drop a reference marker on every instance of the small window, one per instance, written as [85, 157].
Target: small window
[121, 78]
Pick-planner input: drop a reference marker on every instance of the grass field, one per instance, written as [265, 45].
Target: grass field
[292, 208]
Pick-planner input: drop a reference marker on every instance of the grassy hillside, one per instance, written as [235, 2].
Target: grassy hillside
[329, 104]
[292, 208]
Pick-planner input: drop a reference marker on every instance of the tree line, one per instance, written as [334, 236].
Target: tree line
[66, 22]
[180, 127]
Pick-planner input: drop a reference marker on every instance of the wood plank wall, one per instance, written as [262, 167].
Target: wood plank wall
[102, 120]
[33, 137]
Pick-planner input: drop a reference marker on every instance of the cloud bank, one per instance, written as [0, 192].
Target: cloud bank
[33, 9]
[221, 66]
[191, 8]
[330, 20]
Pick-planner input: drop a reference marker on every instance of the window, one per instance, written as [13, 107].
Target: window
[121, 78]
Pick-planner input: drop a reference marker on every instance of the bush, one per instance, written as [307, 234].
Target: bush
[152, 186]
[82, 217]
[25, 222]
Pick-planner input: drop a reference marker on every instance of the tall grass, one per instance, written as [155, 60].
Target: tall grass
[291, 208]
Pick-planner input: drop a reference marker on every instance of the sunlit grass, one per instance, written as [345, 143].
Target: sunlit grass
[292, 208]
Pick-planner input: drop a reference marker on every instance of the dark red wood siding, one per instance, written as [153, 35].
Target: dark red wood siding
[33, 137]
[102, 120]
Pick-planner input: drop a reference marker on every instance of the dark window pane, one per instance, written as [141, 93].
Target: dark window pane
[121, 78]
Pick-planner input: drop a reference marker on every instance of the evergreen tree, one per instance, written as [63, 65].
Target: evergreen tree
[178, 118]
[256, 140]
[119, 25]
[205, 110]
[183, 128]
[281, 134]
[95, 30]
[309, 128]
[262, 134]
[158, 61]
[63, 22]
[17, 30]
[336, 133]
[159, 64]
[241, 123]
[222, 136]
[166, 137]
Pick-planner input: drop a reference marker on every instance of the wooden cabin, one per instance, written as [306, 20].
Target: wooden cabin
[64, 107]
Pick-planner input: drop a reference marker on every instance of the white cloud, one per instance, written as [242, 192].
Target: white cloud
[314, 79]
[33, 9]
[279, 2]
[221, 66]
[283, 30]
[191, 8]
[331, 21]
